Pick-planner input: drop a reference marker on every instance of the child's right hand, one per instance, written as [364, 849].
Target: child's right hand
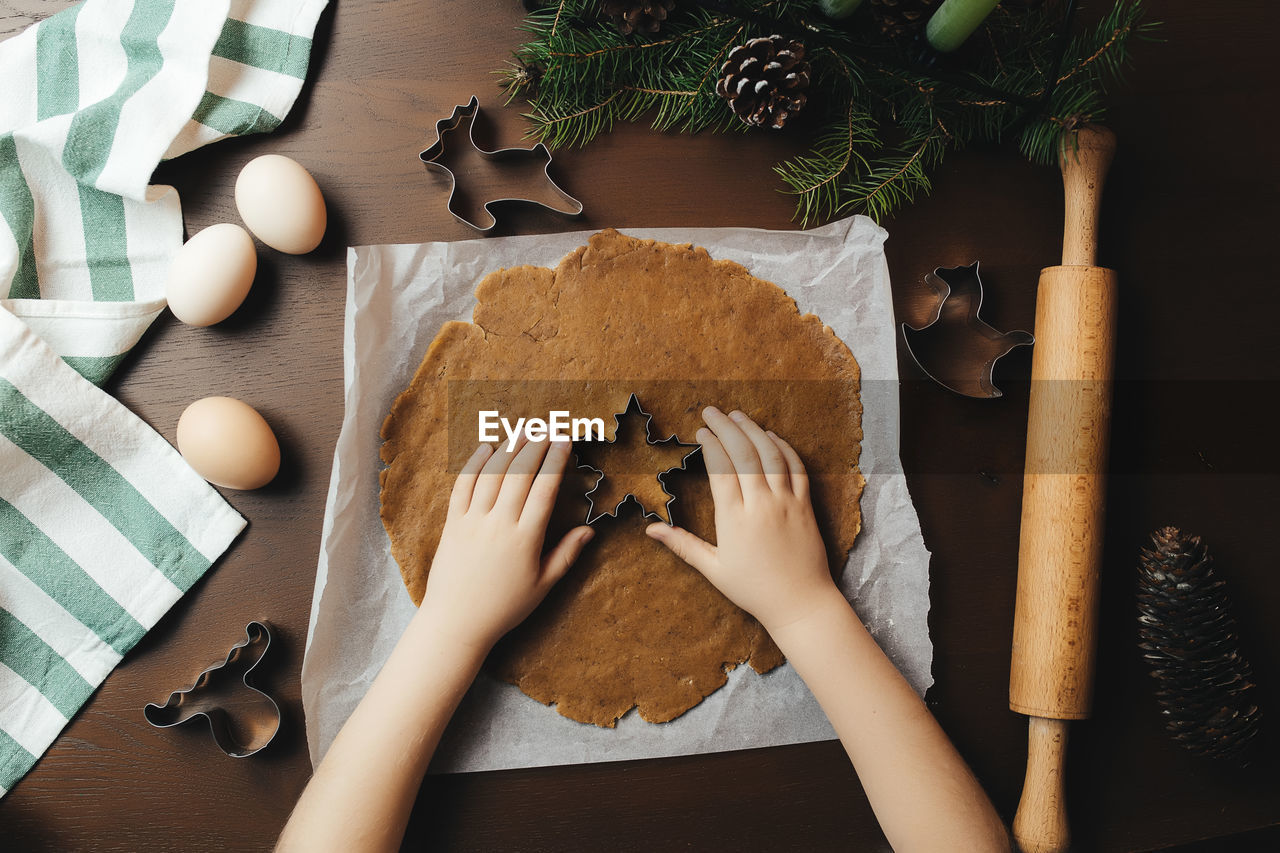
[769, 558]
[489, 571]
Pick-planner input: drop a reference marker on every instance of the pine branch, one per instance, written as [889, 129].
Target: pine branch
[896, 180]
[581, 76]
[819, 178]
[579, 126]
[1077, 99]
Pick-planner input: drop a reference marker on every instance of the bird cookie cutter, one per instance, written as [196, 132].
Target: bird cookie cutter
[434, 159]
[634, 407]
[957, 348]
[256, 715]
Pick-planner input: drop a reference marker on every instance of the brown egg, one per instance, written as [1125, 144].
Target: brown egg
[228, 443]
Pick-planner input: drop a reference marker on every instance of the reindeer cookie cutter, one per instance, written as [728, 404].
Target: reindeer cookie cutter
[481, 194]
[243, 720]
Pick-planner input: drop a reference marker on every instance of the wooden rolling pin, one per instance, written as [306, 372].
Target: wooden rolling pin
[1064, 487]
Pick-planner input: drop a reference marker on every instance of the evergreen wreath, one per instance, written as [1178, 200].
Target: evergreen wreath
[882, 111]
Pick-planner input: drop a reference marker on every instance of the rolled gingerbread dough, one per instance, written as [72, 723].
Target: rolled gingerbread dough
[632, 625]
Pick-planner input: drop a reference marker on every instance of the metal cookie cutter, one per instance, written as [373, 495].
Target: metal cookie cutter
[242, 718]
[515, 164]
[956, 348]
[634, 408]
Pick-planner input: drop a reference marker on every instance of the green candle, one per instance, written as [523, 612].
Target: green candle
[955, 21]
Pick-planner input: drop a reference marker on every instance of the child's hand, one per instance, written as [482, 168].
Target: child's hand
[489, 572]
[769, 558]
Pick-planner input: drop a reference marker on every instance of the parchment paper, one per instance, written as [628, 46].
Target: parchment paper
[397, 299]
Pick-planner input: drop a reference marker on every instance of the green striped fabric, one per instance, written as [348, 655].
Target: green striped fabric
[93, 99]
[103, 526]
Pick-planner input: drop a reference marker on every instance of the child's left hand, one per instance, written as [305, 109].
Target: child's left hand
[489, 572]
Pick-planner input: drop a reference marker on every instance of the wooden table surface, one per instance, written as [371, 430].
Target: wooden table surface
[1191, 214]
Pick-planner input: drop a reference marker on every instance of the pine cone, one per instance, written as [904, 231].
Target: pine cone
[764, 80]
[630, 16]
[1188, 637]
[899, 18]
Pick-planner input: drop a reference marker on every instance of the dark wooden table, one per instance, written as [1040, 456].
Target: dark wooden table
[1191, 217]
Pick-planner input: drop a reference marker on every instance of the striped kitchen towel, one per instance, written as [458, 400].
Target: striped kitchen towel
[93, 99]
[103, 526]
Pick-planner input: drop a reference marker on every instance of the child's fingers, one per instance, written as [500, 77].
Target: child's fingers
[720, 473]
[694, 551]
[489, 483]
[519, 478]
[463, 487]
[562, 557]
[772, 461]
[740, 449]
[537, 508]
[799, 477]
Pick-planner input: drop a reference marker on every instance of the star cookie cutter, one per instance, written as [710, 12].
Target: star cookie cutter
[434, 156]
[957, 348]
[634, 407]
[257, 716]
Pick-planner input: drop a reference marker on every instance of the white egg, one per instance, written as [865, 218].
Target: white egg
[281, 203]
[228, 443]
[211, 275]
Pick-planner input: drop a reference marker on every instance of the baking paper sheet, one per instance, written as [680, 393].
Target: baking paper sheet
[397, 299]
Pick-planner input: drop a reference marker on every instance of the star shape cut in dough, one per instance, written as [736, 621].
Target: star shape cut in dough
[633, 466]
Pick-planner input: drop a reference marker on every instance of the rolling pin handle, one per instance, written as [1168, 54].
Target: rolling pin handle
[1040, 825]
[1085, 157]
